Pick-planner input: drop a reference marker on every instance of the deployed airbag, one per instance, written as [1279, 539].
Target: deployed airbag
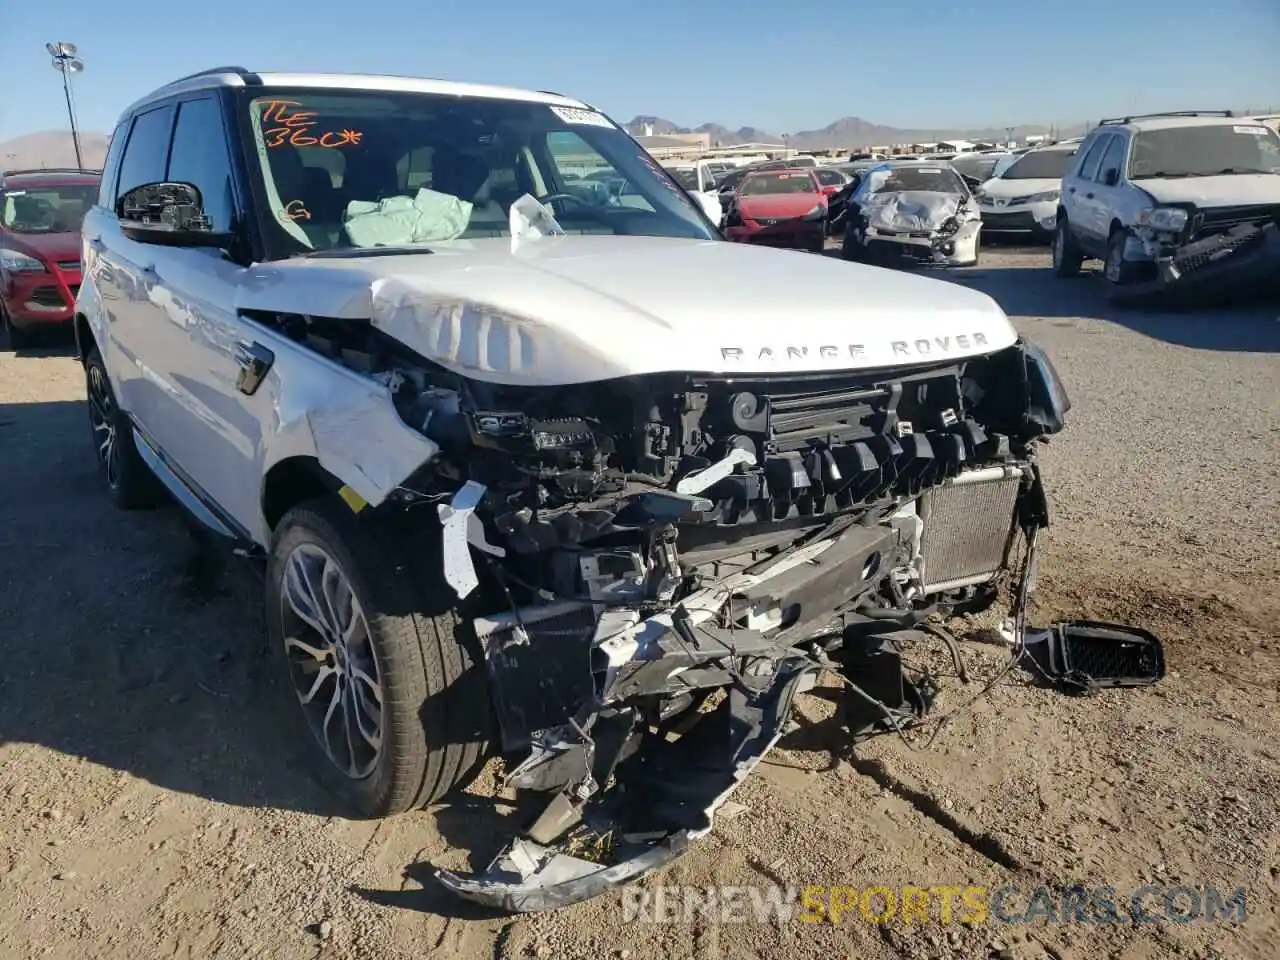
[429, 216]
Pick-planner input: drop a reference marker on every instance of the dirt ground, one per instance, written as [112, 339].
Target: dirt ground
[153, 807]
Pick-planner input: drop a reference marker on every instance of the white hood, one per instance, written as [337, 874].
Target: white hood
[574, 309]
[1013, 189]
[1231, 190]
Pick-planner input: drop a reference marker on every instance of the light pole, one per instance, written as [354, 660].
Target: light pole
[66, 63]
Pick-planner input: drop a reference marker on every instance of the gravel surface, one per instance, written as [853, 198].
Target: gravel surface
[153, 807]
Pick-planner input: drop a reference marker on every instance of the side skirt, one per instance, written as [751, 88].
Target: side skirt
[192, 499]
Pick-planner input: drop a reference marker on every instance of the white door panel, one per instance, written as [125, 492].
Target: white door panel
[212, 434]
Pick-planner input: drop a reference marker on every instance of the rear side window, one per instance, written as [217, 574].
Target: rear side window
[147, 152]
[111, 166]
[199, 156]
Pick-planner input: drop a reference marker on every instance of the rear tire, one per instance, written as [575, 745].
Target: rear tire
[400, 710]
[130, 482]
[1067, 255]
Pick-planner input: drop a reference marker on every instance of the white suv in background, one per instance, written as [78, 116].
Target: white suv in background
[1023, 196]
[1188, 198]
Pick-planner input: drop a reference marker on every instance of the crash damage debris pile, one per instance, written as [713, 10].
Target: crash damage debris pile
[656, 565]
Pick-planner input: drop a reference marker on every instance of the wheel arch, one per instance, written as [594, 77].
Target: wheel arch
[83, 334]
[292, 481]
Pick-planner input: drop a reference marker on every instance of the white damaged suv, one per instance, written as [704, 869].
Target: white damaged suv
[1173, 201]
[538, 464]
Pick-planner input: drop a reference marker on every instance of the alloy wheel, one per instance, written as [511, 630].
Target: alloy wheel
[102, 418]
[330, 659]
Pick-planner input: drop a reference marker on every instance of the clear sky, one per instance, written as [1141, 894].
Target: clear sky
[781, 66]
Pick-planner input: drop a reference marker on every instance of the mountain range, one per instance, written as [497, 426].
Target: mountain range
[845, 133]
[52, 148]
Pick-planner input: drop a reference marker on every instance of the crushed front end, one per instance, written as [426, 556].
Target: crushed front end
[1218, 248]
[922, 226]
[662, 563]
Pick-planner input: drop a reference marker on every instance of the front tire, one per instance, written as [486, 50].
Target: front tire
[1067, 255]
[374, 658]
[1118, 274]
[130, 482]
[16, 337]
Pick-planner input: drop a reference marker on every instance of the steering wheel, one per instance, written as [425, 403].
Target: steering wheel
[549, 198]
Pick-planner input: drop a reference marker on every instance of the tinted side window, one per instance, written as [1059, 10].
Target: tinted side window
[199, 156]
[147, 151]
[111, 166]
[1093, 159]
[1113, 159]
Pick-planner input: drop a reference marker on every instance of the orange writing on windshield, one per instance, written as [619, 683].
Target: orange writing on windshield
[284, 124]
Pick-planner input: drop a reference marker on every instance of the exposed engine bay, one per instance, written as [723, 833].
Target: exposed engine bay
[657, 565]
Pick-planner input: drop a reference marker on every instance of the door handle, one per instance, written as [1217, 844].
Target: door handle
[254, 360]
[1088, 196]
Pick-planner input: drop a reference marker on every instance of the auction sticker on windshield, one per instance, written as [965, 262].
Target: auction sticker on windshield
[580, 116]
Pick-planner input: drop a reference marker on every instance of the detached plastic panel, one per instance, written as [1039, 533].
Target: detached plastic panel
[1087, 654]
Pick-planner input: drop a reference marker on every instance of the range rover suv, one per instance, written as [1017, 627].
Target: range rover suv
[535, 469]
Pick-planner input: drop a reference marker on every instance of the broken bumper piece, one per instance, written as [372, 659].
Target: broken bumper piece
[1243, 256]
[663, 795]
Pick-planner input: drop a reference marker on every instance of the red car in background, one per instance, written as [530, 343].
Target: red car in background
[40, 216]
[778, 208]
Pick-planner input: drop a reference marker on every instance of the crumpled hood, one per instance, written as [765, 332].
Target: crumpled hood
[574, 309]
[1231, 190]
[911, 210]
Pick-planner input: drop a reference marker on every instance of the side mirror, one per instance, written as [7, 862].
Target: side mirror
[1111, 177]
[169, 215]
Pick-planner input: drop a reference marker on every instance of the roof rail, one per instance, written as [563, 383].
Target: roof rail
[241, 72]
[1171, 113]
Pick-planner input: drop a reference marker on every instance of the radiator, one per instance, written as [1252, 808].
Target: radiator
[967, 524]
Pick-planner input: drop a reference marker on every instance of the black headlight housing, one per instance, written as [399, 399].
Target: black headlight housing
[1047, 400]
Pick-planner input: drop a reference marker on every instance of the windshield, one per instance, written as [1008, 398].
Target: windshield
[781, 182]
[54, 209]
[1204, 151]
[1041, 165]
[933, 179]
[979, 166]
[358, 169]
